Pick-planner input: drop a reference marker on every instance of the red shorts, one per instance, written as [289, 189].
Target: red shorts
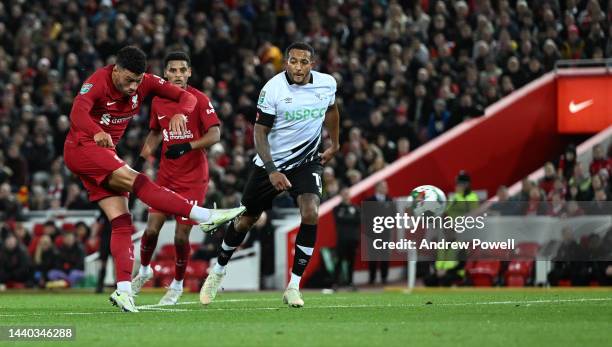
[195, 194]
[93, 164]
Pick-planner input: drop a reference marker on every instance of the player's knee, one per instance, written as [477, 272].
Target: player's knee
[151, 231]
[310, 213]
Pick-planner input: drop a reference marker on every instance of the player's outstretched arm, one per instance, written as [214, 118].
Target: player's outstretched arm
[278, 180]
[332, 124]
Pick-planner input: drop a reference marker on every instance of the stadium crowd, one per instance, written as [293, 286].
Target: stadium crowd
[407, 71]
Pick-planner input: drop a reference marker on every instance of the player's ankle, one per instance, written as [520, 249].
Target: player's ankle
[219, 269]
[199, 214]
[177, 285]
[145, 270]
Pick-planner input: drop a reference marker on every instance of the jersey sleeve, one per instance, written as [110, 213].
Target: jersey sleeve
[80, 115]
[158, 86]
[333, 87]
[266, 106]
[153, 121]
[208, 115]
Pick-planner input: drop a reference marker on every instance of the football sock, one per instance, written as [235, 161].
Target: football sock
[125, 287]
[122, 248]
[304, 246]
[147, 247]
[167, 201]
[294, 282]
[182, 257]
[231, 241]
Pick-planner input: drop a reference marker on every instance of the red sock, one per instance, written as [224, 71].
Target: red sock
[147, 247]
[122, 248]
[160, 198]
[182, 257]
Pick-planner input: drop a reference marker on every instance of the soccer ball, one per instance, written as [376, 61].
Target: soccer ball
[428, 200]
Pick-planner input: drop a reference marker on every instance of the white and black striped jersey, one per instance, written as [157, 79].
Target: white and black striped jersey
[295, 114]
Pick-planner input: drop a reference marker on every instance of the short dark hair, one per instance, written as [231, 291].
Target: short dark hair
[303, 46]
[177, 55]
[133, 59]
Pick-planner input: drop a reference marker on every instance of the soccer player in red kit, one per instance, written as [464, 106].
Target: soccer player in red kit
[183, 168]
[100, 114]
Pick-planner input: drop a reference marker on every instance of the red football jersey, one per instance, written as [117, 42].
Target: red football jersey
[192, 167]
[101, 107]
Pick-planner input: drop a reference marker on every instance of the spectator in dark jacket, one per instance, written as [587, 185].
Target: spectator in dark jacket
[348, 221]
[70, 264]
[14, 262]
[45, 259]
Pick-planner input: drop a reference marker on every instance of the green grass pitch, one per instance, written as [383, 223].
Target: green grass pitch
[454, 318]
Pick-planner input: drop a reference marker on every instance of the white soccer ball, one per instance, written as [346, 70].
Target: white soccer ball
[428, 200]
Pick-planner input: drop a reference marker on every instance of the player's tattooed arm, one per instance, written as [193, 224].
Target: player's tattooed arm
[278, 179]
[332, 124]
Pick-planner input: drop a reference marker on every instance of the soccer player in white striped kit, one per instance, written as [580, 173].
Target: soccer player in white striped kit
[292, 109]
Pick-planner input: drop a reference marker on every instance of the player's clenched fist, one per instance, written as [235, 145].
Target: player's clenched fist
[103, 139]
[177, 150]
[178, 124]
[279, 181]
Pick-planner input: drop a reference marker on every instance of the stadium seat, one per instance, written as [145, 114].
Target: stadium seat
[483, 273]
[166, 253]
[519, 272]
[194, 247]
[15, 285]
[196, 269]
[527, 250]
[164, 272]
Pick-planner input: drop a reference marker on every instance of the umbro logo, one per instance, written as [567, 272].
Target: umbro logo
[288, 100]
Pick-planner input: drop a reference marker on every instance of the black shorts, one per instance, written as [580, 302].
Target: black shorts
[259, 192]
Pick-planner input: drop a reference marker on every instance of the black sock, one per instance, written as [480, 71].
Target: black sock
[306, 237]
[232, 239]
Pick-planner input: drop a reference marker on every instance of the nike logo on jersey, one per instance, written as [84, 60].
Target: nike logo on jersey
[575, 108]
[161, 117]
[111, 103]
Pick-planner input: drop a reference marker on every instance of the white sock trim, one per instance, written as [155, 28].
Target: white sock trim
[307, 250]
[199, 214]
[177, 285]
[294, 282]
[145, 269]
[218, 269]
[226, 247]
[125, 287]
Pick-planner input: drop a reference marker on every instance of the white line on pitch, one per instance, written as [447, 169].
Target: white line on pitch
[156, 309]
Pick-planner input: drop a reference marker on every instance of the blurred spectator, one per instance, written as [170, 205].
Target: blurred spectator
[448, 269]
[45, 259]
[9, 203]
[463, 199]
[547, 182]
[564, 266]
[348, 221]
[70, 261]
[504, 205]
[14, 262]
[381, 195]
[600, 161]
[567, 162]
